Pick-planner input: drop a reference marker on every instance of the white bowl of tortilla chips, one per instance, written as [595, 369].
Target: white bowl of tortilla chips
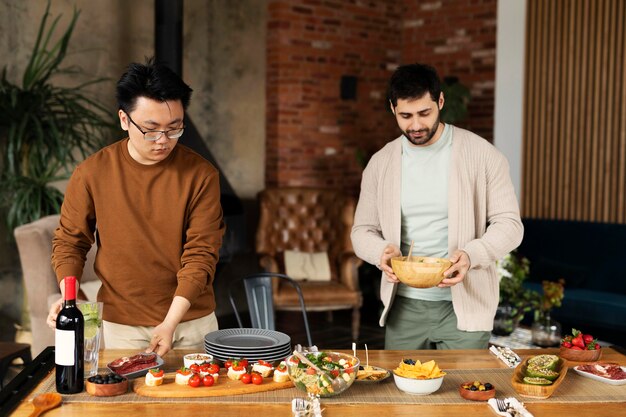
[418, 378]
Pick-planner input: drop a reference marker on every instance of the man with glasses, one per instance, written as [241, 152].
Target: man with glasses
[153, 206]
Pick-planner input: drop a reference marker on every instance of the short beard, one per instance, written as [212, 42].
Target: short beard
[428, 137]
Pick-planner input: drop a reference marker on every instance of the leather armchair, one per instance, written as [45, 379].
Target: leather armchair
[34, 243]
[311, 220]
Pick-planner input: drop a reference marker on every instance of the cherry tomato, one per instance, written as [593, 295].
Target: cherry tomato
[334, 373]
[208, 381]
[246, 378]
[239, 364]
[228, 363]
[214, 368]
[194, 381]
[206, 369]
[257, 379]
[183, 371]
[194, 367]
[310, 371]
[157, 372]
[264, 363]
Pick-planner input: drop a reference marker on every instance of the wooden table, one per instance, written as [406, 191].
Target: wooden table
[450, 359]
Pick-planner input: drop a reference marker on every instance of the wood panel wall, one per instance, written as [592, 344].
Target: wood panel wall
[574, 150]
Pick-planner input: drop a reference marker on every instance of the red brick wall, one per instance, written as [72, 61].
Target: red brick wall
[312, 135]
[458, 38]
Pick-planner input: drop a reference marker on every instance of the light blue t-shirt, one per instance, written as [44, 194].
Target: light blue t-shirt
[424, 204]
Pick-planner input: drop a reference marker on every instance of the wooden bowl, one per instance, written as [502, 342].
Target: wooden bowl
[537, 391]
[107, 390]
[419, 271]
[580, 355]
[476, 395]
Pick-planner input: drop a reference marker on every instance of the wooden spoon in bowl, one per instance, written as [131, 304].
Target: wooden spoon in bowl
[408, 258]
[45, 402]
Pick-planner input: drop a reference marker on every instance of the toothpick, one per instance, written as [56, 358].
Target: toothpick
[408, 258]
[367, 357]
[354, 349]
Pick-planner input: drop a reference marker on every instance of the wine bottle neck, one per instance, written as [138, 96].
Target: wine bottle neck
[70, 290]
[69, 303]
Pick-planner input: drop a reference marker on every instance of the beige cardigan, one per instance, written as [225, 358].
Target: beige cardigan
[483, 220]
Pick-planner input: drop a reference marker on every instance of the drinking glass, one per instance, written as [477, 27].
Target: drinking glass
[92, 312]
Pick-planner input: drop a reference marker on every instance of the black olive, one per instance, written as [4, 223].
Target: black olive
[473, 388]
[488, 386]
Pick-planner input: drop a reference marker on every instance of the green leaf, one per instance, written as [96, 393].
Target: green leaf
[45, 130]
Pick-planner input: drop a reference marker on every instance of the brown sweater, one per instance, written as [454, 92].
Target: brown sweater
[159, 230]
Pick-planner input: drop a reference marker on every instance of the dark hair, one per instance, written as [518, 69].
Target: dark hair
[151, 80]
[412, 82]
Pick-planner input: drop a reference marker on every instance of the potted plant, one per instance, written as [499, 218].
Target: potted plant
[44, 129]
[457, 98]
[545, 331]
[515, 300]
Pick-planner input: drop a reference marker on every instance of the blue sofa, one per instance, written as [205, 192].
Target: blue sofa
[590, 257]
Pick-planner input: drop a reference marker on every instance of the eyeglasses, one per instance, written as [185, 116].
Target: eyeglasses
[154, 135]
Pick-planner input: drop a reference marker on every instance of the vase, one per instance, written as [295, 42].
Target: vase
[506, 320]
[545, 331]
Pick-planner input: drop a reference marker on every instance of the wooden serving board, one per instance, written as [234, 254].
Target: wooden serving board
[224, 386]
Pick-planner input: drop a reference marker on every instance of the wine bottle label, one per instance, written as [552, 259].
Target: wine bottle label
[64, 347]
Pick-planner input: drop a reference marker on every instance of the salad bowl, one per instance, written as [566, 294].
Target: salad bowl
[323, 381]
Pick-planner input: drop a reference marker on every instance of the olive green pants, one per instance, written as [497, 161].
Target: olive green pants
[419, 324]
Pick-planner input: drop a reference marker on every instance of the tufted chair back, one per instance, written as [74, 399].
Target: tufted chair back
[306, 220]
[310, 220]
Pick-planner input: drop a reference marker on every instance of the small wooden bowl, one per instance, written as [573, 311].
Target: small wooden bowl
[476, 395]
[419, 271]
[537, 391]
[107, 390]
[580, 355]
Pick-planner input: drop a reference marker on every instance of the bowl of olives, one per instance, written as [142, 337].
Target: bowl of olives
[477, 391]
[106, 385]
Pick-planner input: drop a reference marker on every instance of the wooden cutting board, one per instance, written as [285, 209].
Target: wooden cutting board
[223, 386]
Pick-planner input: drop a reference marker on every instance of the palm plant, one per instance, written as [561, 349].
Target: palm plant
[44, 129]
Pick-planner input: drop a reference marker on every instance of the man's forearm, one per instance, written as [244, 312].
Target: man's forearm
[178, 308]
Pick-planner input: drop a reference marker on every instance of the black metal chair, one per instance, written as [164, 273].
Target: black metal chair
[258, 289]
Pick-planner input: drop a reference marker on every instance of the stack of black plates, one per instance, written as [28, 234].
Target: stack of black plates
[252, 344]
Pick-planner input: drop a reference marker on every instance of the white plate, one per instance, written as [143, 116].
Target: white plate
[601, 378]
[373, 381]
